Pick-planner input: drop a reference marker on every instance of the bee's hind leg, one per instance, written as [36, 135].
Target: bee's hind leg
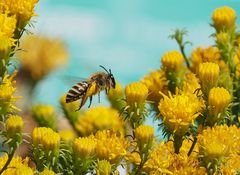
[99, 98]
[90, 102]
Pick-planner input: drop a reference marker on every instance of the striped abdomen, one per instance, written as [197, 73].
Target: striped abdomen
[77, 91]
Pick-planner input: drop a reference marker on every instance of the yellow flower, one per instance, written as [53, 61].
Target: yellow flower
[133, 157]
[191, 84]
[23, 10]
[224, 18]
[67, 135]
[46, 137]
[5, 47]
[116, 96]
[231, 165]
[202, 55]
[172, 60]
[7, 90]
[84, 147]
[104, 168]
[14, 125]
[218, 100]
[208, 74]
[144, 134]
[17, 166]
[41, 57]
[47, 172]
[8, 25]
[136, 95]
[156, 81]
[110, 146]
[218, 143]
[98, 118]
[45, 115]
[179, 111]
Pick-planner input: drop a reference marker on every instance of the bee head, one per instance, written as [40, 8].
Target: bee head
[111, 78]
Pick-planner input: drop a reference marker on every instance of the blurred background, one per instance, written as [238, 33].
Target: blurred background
[127, 36]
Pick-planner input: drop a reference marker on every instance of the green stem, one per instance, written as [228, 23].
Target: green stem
[184, 55]
[177, 143]
[10, 156]
[192, 147]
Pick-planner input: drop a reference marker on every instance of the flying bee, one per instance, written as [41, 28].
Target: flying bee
[93, 85]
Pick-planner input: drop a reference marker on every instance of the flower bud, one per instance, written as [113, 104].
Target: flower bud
[144, 134]
[14, 124]
[173, 60]
[47, 172]
[103, 168]
[84, 147]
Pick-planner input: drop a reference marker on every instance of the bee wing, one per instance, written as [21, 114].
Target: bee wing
[70, 80]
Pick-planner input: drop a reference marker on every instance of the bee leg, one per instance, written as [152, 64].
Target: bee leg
[99, 98]
[90, 102]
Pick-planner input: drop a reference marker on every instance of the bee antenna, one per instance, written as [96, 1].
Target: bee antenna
[110, 71]
[104, 68]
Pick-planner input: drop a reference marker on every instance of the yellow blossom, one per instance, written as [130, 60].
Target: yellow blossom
[98, 118]
[133, 157]
[144, 134]
[179, 111]
[67, 135]
[5, 47]
[208, 74]
[14, 125]
[8, 25]
[156, 81]
[84, 147]
[103, 168]
[23, 10]
[17, 166]
[46, 137]
[224, 18]
[218, 100]
[218, 143]
[7, 90]
[45, 115]
[231, 165]
[172, 60]
[47, 172]
[41, 57]
[191, 84]
[110, 146]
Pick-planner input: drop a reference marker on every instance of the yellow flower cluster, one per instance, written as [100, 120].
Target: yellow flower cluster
[17, 166]
[41, 57]
[7, 98]
[179, 111]
[98, 118]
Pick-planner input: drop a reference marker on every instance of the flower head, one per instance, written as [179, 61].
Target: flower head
[110, 146]
[156, 81]
[98, 118]
[115, 96]
[45, 115]
[47, 138]
[47, 172]
[144, 134]
[224, 18]
[231, 165]
[42, 57]
[67, 135]
[84, 147]
[14, 125]
[104, 168]
[172, 60]
[179, 111]
[218, 100]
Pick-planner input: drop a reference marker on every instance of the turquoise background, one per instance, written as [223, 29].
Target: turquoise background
[128, 36]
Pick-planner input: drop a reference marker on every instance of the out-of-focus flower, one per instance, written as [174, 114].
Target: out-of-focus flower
[202, 55]
[44, 115]
[42, 57]
[144, 134]
[84, 147]
[99, 118]
[224, 18]
[7, 98]
[14, 126]
[133, 157]
[208, 75]
[136, 95]
[17, 166]
[104, 168]
[110, 146]
[22, 9]
[116, 96]
[222, 38]
[217, 143]
[67, 135]
[47, 172]
[191, 84]
[46, 137]
[156, 82]
[179, 111]
[231, 165]
[173, 60]
[218, 100]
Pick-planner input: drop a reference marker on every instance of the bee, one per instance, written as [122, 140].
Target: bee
[93, 85]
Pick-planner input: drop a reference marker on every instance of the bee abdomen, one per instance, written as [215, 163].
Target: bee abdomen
[76, 92]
